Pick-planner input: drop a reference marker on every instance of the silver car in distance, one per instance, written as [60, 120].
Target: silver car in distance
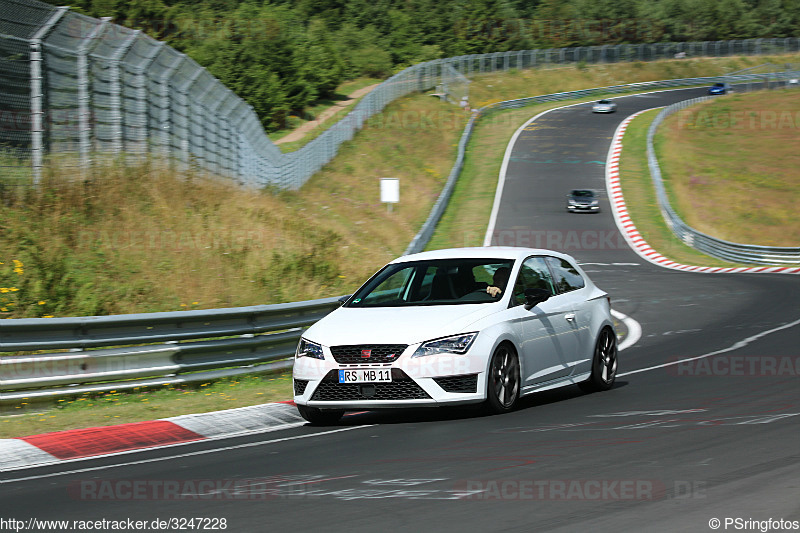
[470, 325]
[604, 106]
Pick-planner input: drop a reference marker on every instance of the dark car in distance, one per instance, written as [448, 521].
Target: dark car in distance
[584, 200]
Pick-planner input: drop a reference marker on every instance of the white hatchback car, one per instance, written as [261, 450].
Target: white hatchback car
[458, 326]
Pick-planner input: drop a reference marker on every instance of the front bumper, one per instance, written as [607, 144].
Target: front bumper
[586, 208]
[416, 382]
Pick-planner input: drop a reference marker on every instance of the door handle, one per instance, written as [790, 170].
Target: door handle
[570, 317]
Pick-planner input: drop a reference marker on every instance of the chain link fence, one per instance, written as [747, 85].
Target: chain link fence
[76, 91]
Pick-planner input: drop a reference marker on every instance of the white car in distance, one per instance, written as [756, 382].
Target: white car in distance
[604, 106]
[458, 326]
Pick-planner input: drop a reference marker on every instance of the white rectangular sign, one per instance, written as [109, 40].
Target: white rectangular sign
[390, 190]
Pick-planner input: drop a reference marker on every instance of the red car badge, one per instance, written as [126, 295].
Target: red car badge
[366, 353]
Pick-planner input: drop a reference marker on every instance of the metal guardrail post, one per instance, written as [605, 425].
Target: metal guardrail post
[141, 95]
[37, 95]
[115, 89]
[84, 116]
[165, 120]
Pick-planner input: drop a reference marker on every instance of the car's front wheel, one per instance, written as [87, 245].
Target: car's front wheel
[503, 383]
[604, 363]
[320, 417]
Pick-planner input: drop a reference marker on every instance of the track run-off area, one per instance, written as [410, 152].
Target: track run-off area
[702, 424]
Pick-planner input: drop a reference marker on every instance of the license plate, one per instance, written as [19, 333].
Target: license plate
[365, 375]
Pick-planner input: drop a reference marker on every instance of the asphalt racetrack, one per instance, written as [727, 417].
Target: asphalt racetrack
[702, 425]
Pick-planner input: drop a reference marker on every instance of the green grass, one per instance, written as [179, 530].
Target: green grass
[640, 198]
[738, 151]
[311, 113]
[316, 132]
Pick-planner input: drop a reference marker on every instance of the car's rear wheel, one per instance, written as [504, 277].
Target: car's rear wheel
[503, 383]
[604, 363]
[320, 417]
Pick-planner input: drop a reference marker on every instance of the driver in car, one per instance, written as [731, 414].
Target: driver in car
[499, 281]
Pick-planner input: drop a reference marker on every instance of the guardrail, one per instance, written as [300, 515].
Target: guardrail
[223, 343]
[730, 251]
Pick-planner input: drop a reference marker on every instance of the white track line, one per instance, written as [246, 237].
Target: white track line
[634, 330]
[735, 346]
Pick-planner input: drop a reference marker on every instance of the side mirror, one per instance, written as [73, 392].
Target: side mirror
[343, 299]
[534, 297]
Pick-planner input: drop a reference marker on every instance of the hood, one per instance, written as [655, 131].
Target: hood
[397, 325]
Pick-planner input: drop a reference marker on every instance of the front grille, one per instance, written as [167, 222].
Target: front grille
[359, 354]
[300, 386]
[401, 387]
[466, 383]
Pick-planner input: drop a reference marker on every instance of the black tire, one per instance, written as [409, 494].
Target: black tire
[502, 381]
[320, 417]
[604, 363]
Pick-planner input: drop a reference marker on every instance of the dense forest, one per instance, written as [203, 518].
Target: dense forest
[283, 55]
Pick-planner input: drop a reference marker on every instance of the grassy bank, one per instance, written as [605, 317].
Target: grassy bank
[140, 238]
[730, 166]
[640, 198]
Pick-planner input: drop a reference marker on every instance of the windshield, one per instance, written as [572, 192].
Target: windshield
[582, 194]
[435, 282]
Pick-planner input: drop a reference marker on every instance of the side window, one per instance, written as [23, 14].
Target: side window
[565, 275]
[533, 274]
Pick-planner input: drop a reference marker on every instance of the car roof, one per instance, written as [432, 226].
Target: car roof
[481, 252]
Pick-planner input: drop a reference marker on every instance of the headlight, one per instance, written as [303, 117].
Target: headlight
[457, 344]
[309, 349]
[573, 202]
[595, 202]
